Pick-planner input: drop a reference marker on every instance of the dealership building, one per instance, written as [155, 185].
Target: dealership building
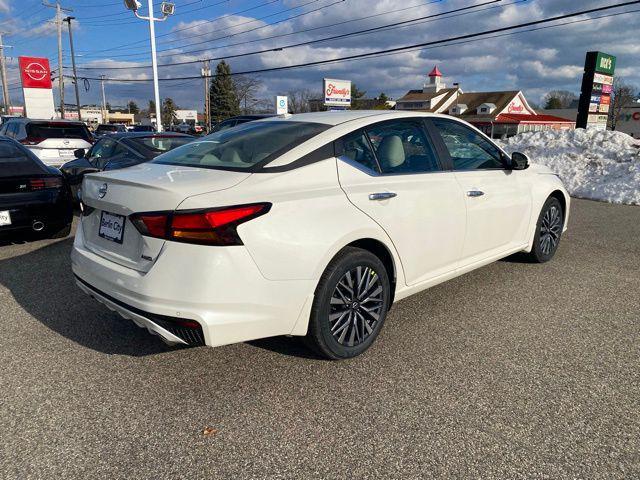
[498, 114]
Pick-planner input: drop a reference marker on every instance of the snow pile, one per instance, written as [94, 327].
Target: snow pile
[599, 165]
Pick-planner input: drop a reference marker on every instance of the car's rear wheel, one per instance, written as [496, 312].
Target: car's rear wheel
[350, 304]
[548, 231]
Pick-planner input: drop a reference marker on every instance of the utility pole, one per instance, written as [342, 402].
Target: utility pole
[104, 100]
[59, 11]
[73, 64]
[3, 73]
[206, 73]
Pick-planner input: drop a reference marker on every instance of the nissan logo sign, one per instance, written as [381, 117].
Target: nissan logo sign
[102, 191]
[35, 71]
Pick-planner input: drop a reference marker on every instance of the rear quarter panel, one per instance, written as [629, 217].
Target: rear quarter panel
[310, 220]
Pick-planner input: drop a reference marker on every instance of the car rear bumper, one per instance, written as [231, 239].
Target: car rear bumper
[53, 208]
[220, 288]
[170, 329]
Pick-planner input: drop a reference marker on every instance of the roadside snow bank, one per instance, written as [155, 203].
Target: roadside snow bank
[592, 164]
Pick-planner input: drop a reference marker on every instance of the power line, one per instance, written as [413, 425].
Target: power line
[257, 20]
[418, 46]
[238, 33]
[390, 26]
[311, 29]
[183, 29]
[126, 13]
[98, 24]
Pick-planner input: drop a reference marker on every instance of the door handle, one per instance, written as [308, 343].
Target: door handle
[382, 195]
[475, 193]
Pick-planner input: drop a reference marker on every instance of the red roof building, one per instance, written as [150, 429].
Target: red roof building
[435, 72]
[498, 114]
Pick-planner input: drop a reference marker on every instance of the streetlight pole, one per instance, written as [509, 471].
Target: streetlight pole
[167, 9]
[73, 64]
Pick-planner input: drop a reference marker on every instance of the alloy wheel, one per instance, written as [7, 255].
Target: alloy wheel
[550, 230]
[356, 305]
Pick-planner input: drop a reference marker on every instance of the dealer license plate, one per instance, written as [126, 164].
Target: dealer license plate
[111, 226]
[66, 152]
[5, 218]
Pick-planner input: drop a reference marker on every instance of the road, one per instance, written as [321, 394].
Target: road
[512, 371]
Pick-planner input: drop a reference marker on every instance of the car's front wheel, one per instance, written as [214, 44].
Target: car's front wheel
[350, 304]
[548, 231]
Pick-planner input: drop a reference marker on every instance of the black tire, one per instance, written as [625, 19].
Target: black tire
[548, 231]
[357, 308]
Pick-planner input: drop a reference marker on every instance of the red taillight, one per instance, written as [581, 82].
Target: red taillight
[209, 227]
[31, 140]
[152, 225]
[42, 183]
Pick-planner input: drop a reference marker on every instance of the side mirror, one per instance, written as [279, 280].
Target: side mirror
[79, 153]
[519, 161]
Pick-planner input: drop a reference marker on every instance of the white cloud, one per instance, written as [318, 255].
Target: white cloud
[535, 61]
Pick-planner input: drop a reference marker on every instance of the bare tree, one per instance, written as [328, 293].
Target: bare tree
[623, 95]
[299, 100]
[246, 90]
[559, 99]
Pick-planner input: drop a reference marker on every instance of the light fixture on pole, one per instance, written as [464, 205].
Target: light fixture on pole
[166, 9]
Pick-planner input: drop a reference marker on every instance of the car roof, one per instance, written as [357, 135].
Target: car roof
[251, 117]
[337, 117]
[50, 120]
[120, 135]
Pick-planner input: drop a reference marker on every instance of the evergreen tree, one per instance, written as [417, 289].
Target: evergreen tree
[553, 103]
[168, 112]
[132, 107]
[152, 106]
[356, 95]
[222, 94]
[381, 102]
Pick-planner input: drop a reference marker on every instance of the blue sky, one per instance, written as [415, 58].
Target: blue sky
[106, 35]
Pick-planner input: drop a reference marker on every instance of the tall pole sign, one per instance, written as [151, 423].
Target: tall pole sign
[35, 74]
[596, 90]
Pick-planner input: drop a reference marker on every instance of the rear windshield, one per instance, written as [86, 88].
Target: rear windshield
[15, 161]
[58, 130]
[160, 144]
[141, 128]
[244, 147]
[107, 128]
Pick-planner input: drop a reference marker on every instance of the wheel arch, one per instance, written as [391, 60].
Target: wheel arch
[380, 250]
[556, 193]
[560, 196]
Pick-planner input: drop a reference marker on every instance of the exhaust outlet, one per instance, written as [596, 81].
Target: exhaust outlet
[37, 226]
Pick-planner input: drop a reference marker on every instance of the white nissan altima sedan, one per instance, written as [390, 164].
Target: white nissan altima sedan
[309, 225]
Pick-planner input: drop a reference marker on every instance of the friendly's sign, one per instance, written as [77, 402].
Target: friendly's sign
[337, 93]
[35, 74]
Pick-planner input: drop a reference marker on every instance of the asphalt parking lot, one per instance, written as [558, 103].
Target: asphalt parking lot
[512, 371]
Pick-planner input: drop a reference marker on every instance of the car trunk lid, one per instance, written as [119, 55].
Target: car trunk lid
[113, 196]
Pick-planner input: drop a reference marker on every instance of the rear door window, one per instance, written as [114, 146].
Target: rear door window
[14, 161]
[46, 130]
[356, 148]
[402, 146]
